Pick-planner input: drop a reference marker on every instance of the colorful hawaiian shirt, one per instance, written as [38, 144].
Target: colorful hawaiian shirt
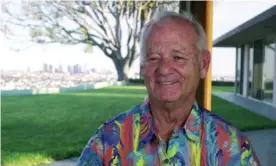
[204, 140]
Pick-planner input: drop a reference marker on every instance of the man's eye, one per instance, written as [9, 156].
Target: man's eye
[177, 58]
[152, 59]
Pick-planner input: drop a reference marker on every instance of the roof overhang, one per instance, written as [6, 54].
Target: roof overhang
[263, 26]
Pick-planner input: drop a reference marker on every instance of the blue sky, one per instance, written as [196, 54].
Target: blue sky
[227, 15]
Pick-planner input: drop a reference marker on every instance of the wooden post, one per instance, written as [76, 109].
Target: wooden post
[203, 12]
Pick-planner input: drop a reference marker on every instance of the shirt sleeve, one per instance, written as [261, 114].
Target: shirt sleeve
[248, 155]
[92, 154]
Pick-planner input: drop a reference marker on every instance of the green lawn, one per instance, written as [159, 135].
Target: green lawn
[223, 89]
[40, 129]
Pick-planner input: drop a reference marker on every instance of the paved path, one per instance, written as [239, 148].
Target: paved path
[258, 107]
[264, 143]
[67, 162]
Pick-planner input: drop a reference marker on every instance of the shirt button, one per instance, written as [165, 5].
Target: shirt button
[166, 161]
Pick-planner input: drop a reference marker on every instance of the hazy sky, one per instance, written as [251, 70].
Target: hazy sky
[227, 15]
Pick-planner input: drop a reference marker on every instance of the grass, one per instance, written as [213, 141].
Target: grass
[223, 89]
[43, 128]
[243, 119]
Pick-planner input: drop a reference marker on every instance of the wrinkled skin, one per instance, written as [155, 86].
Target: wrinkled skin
[173, 65]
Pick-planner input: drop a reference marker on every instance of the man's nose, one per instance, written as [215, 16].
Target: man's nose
[165, 67]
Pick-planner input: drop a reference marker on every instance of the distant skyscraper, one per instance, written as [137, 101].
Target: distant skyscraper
[45, 67]
[80, 69]
[75, 68]
[50, 69]
[69, 69]
[60, 68]
[28, 69]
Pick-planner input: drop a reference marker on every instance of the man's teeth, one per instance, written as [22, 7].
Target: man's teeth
[166, 83]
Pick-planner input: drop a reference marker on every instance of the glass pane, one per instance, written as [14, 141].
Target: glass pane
[257, 90]
[268, 72]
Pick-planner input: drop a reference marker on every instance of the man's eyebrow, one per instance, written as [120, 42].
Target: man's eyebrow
[151, 54]
[178, 51]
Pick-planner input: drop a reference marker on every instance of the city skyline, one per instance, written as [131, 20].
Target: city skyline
[223, 59]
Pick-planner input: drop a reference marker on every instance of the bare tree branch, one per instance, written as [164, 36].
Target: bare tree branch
[94, 23]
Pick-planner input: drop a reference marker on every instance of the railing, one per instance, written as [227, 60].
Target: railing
[53, 90]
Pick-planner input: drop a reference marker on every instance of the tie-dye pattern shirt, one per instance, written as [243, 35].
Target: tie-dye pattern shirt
[204, 140]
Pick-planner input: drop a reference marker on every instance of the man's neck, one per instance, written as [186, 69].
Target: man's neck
[168, 116]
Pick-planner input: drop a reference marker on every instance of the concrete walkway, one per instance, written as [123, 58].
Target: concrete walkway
[258, 107]
[67, 162]
[264, 143]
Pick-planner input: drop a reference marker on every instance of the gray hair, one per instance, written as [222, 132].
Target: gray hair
[159, 16]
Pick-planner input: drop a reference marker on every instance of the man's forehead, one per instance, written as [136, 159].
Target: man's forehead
[171, 39]
[166, 43]
[172, 24]
[167, 35]
[171, 33]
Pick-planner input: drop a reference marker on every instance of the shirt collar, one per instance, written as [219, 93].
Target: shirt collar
[194, 123]
[192, 128]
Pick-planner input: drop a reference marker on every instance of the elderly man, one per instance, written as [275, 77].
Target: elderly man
[169, 127]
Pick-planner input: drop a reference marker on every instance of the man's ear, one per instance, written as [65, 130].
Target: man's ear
[205, 63]
[142, 69]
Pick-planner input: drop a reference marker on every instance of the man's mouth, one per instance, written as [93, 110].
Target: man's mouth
[166, 82]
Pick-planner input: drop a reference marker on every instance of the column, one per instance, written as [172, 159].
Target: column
[246, 70]
[241, 73]
[274, 80]
[236, 71]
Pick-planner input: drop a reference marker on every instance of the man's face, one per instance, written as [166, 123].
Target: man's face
[173, 66]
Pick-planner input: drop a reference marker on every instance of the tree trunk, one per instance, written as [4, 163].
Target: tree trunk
[122, 70]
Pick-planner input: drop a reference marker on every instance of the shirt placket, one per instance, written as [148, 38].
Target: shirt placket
[166, 152]
[163, 157]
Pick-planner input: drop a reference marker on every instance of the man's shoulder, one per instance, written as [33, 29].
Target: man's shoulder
[229, 140]
[121, 117]
[222, 126]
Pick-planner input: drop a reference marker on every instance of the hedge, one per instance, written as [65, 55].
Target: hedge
[214, 83]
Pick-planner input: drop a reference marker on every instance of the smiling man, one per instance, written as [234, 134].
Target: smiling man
[169, 128]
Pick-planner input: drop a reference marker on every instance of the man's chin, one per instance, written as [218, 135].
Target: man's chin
[168, 99]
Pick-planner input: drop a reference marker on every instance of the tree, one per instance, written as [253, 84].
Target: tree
[113, 26]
